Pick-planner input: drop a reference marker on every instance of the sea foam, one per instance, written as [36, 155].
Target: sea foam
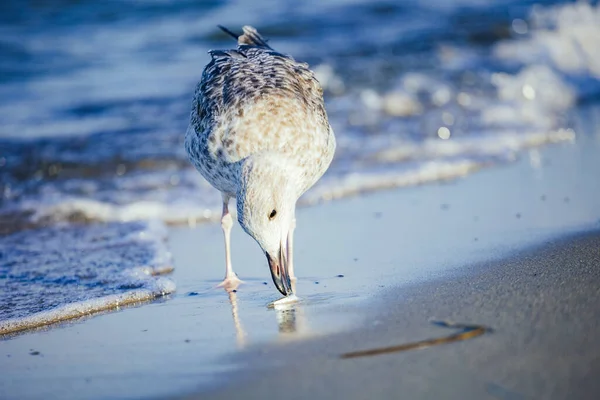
[81, 172]
[473, 109]
[57, 273]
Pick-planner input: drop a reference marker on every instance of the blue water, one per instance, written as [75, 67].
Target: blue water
[95, 98]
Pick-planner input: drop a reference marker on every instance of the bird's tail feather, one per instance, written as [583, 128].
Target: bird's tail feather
[227, 31]
[250, 37]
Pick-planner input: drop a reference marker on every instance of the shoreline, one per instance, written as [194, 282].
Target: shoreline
[522, 228]
[451, 249]
[536, 347]
[201, 337]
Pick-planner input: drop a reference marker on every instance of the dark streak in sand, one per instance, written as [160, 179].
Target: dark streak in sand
[466, 332]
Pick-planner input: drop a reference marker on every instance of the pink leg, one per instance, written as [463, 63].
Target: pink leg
[231, 281]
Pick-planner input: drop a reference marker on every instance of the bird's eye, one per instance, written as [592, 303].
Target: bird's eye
[272, 214]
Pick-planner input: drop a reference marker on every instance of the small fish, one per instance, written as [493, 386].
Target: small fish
[284, 301]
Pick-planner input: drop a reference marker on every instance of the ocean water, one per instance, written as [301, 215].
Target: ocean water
[95, 99]
[60, 272]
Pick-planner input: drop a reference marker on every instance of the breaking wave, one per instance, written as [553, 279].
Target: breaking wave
[92, 144]
[56, 273]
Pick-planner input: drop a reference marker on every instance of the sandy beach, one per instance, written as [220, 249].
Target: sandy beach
[531, 274]
[464, 189]
[513, 248]
[542, 305]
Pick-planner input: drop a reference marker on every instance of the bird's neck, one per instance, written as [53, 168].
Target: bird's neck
[270, 170]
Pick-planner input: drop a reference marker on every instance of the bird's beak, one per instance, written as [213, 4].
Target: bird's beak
[279, 272]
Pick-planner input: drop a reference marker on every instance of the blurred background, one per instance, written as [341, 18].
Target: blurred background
[95, 96]
[95, 100]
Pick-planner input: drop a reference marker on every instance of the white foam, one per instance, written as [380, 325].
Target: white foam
[159, 287]
[416, 116]
[365, 181]
[535, 97]
[329, 79]
[95, 210]
[56, 273]
[401, 104]
[565, 37]
[498, 145]
[438, 158]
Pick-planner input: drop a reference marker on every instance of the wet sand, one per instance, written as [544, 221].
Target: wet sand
[515, 251]
[542, 305]
[373, 270]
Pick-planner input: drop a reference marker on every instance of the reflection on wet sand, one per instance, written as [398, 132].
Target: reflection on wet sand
[286, 320]
[291, 323]
[240, 334]
[291, 319]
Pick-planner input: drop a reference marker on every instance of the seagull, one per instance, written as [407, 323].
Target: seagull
[259, 133]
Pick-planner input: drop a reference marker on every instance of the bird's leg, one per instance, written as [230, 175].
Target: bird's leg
[290, 249]
[231, 281]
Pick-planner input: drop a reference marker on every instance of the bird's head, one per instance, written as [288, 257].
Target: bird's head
[266, 205]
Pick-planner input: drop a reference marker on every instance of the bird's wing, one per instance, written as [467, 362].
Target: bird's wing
[254, 98]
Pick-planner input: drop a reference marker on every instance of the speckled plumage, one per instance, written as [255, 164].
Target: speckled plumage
[253, 100]
[259, 132]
